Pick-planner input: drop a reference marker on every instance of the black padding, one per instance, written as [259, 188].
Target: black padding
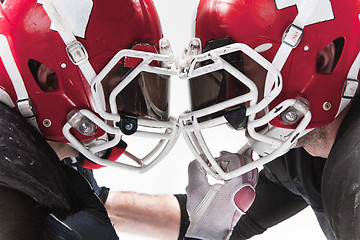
[28, 164]
[341, 179]
[20, 216]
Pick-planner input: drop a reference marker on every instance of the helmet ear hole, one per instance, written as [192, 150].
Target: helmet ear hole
[329, 56]
[325, 59]
[339, 46]
[44, 76]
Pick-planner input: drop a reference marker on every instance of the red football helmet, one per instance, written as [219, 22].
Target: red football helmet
[67, 67]
[291, 93]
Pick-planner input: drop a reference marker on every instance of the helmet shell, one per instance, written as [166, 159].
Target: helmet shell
[256, 22]
[112, 25]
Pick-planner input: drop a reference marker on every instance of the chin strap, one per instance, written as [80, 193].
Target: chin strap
[111, 154]
[351, 85]
[23, 102]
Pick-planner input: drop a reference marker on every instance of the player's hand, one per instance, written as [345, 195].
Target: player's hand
[215, 209]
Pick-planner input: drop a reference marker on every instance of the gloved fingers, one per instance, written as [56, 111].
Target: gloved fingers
[197, 178]
[242, 188]
[229, 161]
[232, 161]
[254, 174]
[249, 152]
[250, 177]
[244, 197]
[253, 177]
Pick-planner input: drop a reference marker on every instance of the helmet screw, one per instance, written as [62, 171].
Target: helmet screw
[129, 126]
[294, 113]
[47, 123]
[291, 116]
[85, 127]
[327, 106]
[81, 123]
[128, 123]
[63, 65]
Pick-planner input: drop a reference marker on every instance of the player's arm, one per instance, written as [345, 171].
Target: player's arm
[155, 216]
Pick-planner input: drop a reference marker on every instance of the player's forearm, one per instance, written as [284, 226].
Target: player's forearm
[140, 214]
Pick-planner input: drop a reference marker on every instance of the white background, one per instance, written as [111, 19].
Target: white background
[170, 175]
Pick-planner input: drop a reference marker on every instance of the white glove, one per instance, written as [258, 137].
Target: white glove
[215, 209]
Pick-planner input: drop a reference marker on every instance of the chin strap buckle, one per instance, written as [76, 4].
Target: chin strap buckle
[25, 108]
[292, 35]
[77, 52]
[351, 87]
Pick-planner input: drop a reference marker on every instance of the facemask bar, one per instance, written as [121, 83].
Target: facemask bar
[168, 130]
[191, 127]
[168, 134]
[144, 66]
[166, 141]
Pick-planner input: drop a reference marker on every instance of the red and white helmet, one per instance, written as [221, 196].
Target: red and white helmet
[283, 38]
[85, 43]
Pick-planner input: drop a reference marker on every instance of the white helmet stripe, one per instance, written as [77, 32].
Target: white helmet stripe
[66, 33]
[76, 13]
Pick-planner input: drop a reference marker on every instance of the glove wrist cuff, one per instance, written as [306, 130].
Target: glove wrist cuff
[207, 234]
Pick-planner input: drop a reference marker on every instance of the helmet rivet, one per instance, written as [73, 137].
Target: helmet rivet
[63, 65]
[47, 123]
[306, 48]
[327, 106]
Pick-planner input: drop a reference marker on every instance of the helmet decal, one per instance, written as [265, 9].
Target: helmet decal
[323, 9]
[77, 14]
